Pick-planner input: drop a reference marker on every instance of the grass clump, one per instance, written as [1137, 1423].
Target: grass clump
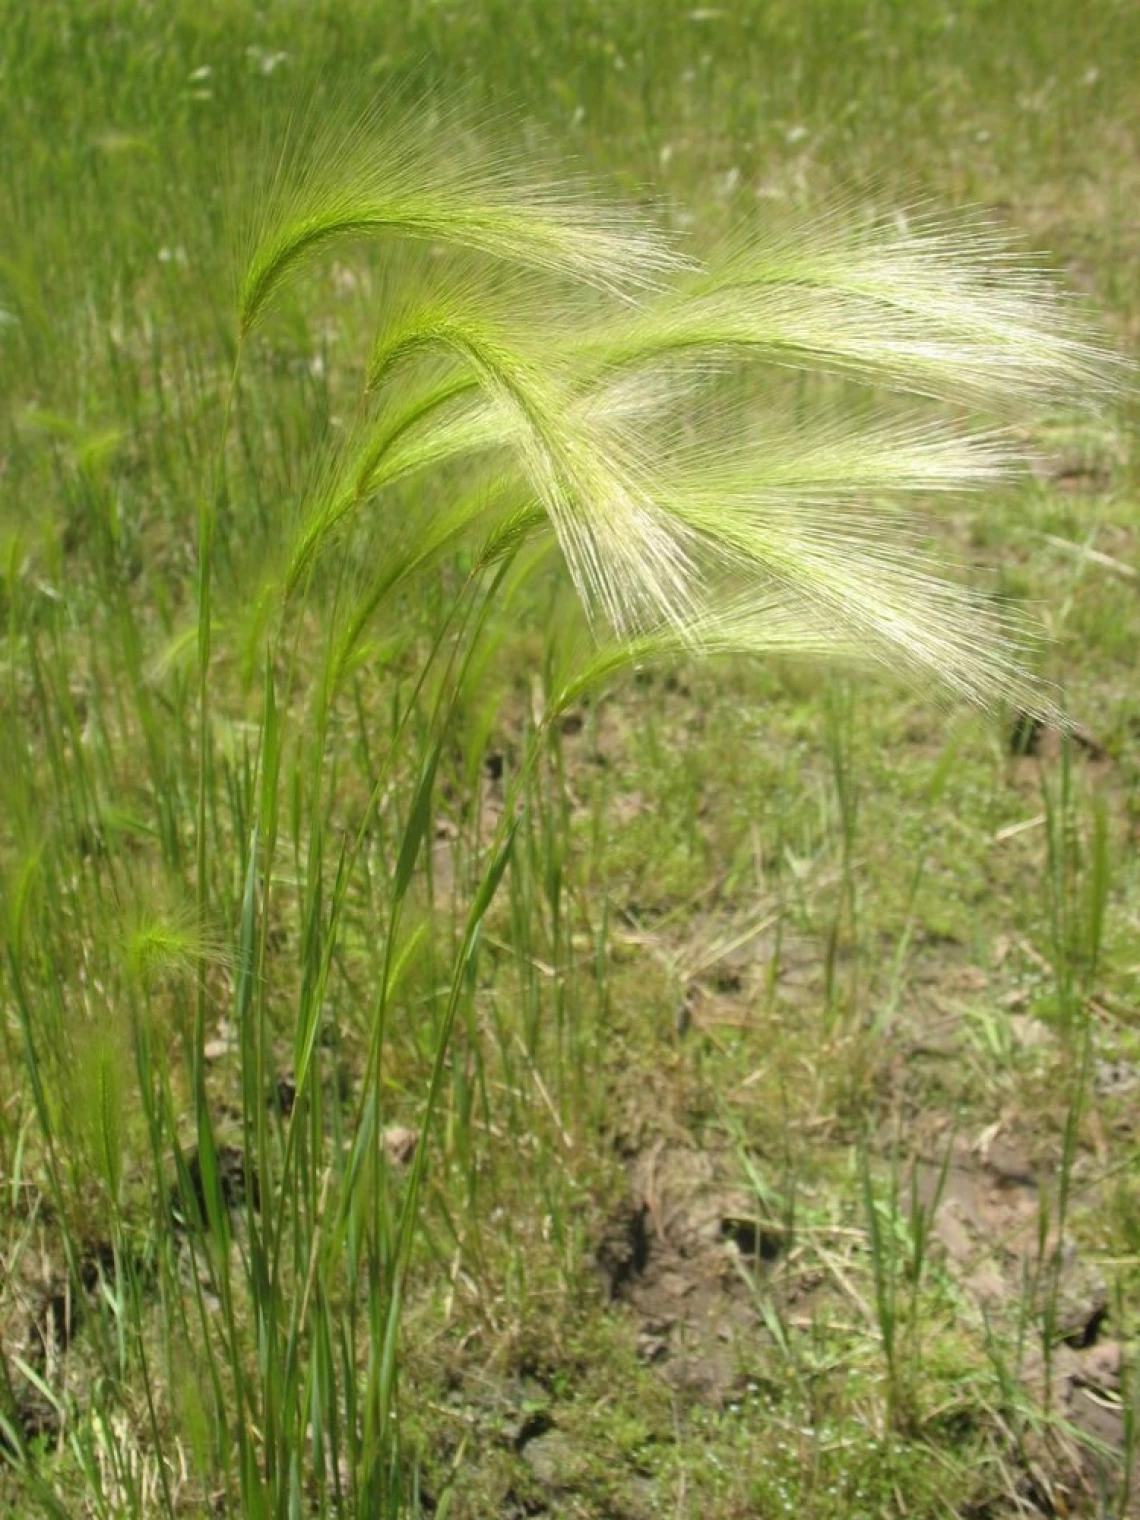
[715, 443]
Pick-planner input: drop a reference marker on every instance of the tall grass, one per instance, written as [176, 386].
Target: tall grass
[715, 442]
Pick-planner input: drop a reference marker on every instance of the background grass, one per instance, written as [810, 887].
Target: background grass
[808, 930]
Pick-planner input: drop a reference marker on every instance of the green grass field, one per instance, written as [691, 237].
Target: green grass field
[435, 1083]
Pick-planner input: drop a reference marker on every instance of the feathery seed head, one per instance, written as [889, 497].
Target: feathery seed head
[594, 384]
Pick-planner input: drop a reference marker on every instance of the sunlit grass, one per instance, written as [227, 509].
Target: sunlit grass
[319, 827]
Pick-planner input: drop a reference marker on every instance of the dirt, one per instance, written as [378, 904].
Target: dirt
[681, 1253]
[687, 1245]
[989, 1211]
[42, 1307]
